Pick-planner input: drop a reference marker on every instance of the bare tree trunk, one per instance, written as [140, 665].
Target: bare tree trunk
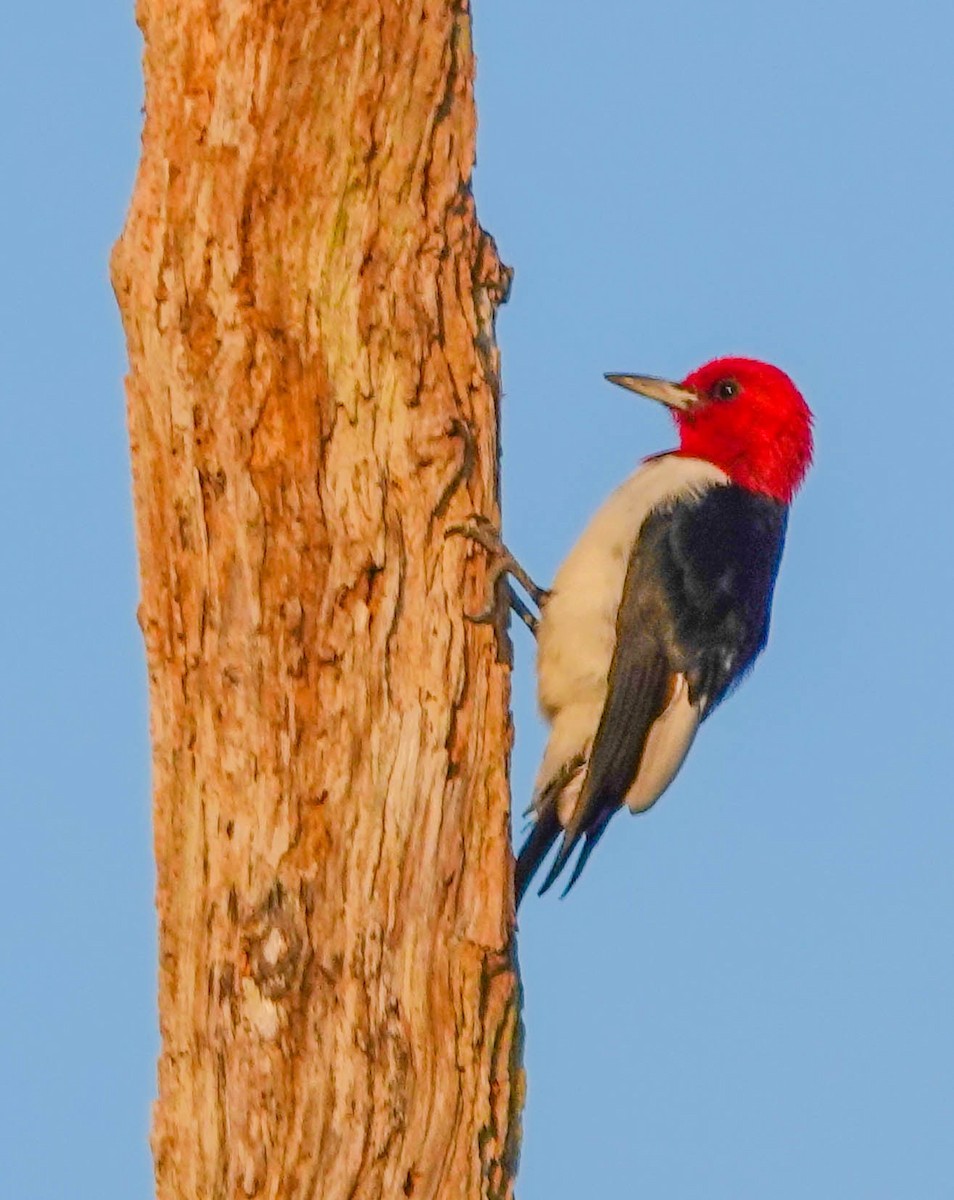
[309, 303]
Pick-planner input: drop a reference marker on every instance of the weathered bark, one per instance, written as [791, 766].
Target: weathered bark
[309, 303]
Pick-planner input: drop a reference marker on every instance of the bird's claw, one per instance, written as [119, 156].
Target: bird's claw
[496, 610]
[500, 599]
[488, 614]
[480, 529]
[483, 531]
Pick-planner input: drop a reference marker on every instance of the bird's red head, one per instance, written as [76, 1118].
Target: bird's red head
[745, 416]
[752, 421]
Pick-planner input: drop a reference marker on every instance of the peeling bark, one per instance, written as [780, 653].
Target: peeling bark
[308, 302]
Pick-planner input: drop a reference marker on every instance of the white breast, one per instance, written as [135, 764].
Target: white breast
[577, 629]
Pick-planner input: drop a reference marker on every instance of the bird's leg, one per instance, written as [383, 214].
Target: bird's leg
[480, 530]
[519, 606]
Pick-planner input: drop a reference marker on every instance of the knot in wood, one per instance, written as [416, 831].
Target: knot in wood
[275, 946]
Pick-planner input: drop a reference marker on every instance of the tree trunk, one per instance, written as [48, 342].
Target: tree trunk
[309, 305]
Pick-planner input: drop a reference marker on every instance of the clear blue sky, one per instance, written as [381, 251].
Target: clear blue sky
[751, 992]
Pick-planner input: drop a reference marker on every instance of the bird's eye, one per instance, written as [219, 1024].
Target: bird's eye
[725, 389]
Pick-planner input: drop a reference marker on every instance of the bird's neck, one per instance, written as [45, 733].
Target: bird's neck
[771, 465]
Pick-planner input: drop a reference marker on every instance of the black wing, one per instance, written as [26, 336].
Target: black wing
[696, 601]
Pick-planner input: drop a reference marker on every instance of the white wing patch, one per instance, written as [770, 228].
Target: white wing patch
[667, 745]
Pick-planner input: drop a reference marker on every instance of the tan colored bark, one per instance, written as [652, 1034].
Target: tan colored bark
[309, 302]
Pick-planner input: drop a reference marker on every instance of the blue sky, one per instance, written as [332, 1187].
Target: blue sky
[751, 991]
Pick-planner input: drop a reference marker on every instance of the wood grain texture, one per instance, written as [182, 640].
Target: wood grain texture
[309, 301]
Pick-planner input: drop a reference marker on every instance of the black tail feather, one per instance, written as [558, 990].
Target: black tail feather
[534, 850]
[589, 845]
[567, 847]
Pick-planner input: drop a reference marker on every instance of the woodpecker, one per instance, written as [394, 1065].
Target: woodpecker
[663, 604]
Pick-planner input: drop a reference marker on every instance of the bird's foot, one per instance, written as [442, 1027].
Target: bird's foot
[501, 596]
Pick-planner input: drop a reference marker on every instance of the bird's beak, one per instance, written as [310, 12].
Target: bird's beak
[673, 395]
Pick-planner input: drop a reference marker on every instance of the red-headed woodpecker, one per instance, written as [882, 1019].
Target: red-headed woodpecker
[663, 604]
